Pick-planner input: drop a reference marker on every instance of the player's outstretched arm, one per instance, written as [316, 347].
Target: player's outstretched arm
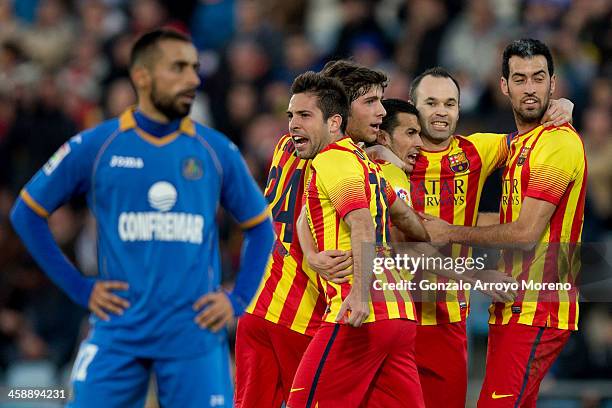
[34, 231]
[380, 152]
[487, 218]
[523, 233]
[408, 222]
[332, 265]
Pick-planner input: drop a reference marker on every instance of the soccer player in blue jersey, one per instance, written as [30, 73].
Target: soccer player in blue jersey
[154, 180]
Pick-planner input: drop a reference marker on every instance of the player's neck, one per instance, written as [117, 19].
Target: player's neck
[434, 145]
[525, 127]
[146, 107]
[337, 136]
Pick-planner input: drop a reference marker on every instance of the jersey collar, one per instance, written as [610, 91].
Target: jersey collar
[127, 121]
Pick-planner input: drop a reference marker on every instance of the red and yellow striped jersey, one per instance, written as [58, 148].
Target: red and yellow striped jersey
[448, 184]
[547, 164]
[288, 294]
[343, 179]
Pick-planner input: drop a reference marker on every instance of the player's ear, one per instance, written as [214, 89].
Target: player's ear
[503, 84]
[141, 77]
[334, 122]
[553, 84]
[383, 138]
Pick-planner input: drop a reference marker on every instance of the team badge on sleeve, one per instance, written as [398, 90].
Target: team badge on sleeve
[404, 196]
[192, 168]
[458, 163]
[56, 159]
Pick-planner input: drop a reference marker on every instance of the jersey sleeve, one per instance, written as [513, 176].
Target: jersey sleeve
[240, 194]
[554, 163]
[66, 173]
[342, 177]
[398, 180]
[391, 195]
[493, 149]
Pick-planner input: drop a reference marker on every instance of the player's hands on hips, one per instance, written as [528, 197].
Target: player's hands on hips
[354, 310]
[332, 265]
[217, 313]
[496, 294]
[436, 228]
[559, 112]
[102, 299]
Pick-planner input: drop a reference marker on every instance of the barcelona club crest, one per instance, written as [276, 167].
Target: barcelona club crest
[192, 168]
[523, 155]
[459, 162]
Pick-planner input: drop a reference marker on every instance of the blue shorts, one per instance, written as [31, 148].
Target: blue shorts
[102, 377]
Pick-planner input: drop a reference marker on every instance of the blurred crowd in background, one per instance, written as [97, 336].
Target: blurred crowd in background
[63, 68]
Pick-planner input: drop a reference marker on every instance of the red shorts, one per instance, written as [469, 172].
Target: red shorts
[369, 366]
[518, 357]
[441, 355]
[267, 356]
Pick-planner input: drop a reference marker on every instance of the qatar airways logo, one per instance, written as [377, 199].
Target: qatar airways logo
[161, 225]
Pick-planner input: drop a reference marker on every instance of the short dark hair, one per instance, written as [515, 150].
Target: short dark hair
[526, 48]
[357, 79]
[331, 95]
[394, 107]
[146, 45]
[436, 72]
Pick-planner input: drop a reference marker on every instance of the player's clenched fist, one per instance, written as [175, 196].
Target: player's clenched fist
[217, 313]
[354, 310]
[103, 300]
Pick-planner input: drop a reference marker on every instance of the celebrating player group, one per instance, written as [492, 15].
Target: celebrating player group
[356, 176]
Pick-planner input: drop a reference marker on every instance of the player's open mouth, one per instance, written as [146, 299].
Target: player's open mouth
[299, 141]
[375, 126]
[411, 158]
[439, 125]
[530, 101]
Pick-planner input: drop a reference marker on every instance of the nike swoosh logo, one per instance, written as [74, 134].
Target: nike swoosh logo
[498, 396]
[296, 389]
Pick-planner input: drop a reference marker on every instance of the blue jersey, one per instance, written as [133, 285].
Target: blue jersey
[155, 201]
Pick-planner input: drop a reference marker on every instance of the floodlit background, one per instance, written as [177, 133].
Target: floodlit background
[63, 68]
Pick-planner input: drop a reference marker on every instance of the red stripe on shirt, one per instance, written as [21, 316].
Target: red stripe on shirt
[265, 298]
[314, 204]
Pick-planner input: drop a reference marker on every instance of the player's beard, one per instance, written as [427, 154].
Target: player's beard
[531, 116]
[169, 106]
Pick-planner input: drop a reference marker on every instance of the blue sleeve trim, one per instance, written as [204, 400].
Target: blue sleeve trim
[256, 250]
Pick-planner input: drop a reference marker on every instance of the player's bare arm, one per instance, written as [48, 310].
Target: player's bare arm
[490, 276]
[487, 218]
[380, 152]
[524, 232]
[332, 265]
[408, 222]
[355, 308]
